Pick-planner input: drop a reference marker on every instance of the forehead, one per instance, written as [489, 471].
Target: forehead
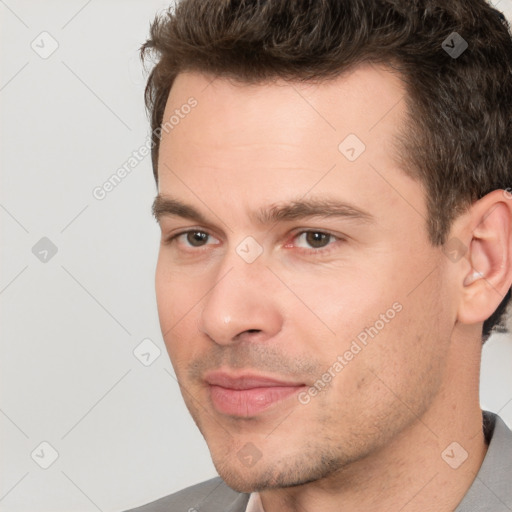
[260, 140]
[366, 102]
[358, 101]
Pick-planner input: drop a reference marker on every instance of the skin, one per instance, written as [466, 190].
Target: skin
[373, 438]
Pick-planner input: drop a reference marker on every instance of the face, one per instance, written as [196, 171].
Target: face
[300, 300]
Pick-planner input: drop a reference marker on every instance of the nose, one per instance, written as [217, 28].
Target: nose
[241, 305]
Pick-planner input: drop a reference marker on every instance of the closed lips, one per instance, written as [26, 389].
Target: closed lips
[246, 381]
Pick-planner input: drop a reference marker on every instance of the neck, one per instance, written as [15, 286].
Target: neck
[421, 470]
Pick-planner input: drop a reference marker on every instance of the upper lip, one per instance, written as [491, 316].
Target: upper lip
[246, 381]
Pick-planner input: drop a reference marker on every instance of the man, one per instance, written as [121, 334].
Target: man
[336, 244]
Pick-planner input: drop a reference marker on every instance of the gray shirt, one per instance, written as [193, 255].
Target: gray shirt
[491, 491]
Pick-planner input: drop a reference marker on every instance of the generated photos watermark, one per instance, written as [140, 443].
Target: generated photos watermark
[100, 192]
[356, 347]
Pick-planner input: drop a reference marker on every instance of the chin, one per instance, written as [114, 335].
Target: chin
[272, 474]
[248, 483]
[245, 479]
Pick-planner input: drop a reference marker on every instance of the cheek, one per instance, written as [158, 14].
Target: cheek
[386, 324]
[178, 299]
[405, 362]
[178, 291]
[335, 307]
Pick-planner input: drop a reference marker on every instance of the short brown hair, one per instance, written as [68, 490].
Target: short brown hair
[457, 138]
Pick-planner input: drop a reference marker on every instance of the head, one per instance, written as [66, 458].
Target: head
[333, 214]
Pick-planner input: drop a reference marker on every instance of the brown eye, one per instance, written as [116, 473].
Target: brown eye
[197, 238]
[317, 239]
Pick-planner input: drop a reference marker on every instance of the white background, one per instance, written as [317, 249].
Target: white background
[69, 325]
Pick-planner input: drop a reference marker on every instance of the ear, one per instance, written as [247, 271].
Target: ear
[489, 253]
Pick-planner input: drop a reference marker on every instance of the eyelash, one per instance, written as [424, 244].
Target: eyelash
[321, 251]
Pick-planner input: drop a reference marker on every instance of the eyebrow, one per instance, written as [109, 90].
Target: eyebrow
[293, 210]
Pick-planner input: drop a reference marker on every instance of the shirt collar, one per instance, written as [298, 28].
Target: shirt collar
[254, 504]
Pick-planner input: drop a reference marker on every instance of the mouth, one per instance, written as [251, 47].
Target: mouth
[245, 395]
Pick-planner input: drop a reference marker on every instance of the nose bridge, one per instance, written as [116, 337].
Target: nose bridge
[239, 300]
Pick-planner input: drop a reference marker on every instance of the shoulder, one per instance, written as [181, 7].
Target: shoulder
[209, 496]
[492, 488]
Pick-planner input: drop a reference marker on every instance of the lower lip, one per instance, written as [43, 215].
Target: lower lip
[249, 402]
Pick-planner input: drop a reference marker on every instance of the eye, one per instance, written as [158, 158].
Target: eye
[315, 239]
[196, 238]
[312, 240]
[191, 238]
